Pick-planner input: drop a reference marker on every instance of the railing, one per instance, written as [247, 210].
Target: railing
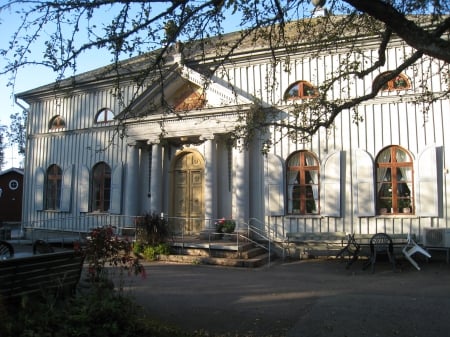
[244, 233]
[254, 231]
[261, 232]
[75, 226]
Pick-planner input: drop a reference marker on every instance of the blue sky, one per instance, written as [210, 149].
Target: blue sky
[34, 76]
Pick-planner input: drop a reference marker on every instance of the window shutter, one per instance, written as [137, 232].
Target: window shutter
[273, 185]
[427, 196]
[39, 189]
[363, 184]
[83, 190]
[66, 189]
[331, 185]
[116, 190]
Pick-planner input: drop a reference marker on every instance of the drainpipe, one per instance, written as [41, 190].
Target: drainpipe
[16, 100]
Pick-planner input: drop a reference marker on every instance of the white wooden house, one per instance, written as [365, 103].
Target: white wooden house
[89, 160]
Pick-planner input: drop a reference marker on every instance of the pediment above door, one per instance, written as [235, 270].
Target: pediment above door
[183, 90]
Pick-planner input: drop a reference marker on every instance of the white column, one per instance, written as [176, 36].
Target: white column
[241, 185]
[210, 182]
[144, 179]
[156, 179]
[132, 181]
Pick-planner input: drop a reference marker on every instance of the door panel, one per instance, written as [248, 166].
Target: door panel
[188, 198]
[196, 199]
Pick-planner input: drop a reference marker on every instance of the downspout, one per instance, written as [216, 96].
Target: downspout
[16, 100]
[25, 164]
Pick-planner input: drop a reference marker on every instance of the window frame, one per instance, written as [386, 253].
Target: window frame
[101, 187]
[399, 204]
[390, 86]
[57, 123]
[307, 192]
[301, 84]
[104, 116]
[53, 187]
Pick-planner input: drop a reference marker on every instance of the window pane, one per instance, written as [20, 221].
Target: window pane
[394, 181]
[57, 123]
[101, 187]
[104, 115]
[385, 156]
[53, 188]
[303, 183]
[294, 160]
[308, 90]
[293, 92]
[401, 156]
[401, 82]
[300, 89]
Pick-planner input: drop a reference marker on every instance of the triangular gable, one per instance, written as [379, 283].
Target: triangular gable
[217, 91]
[184, 89]
[12, 169]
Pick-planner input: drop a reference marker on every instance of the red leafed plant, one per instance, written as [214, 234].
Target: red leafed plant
[106, 249]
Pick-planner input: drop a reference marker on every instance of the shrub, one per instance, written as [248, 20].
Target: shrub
[151, 253]
[151, 229]
[105, 249]
[104, 313]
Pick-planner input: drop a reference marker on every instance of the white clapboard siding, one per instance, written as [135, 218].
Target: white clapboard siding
[346, 150]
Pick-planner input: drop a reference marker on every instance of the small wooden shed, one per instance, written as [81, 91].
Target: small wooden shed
[11, 188]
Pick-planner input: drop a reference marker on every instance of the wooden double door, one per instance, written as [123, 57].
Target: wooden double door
[188, 206]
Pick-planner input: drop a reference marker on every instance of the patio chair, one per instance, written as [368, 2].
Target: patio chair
[380, 244]
[6, 250]
[411, 248]
[42, 247]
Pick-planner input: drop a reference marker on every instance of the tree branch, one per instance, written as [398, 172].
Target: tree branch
[429, 42]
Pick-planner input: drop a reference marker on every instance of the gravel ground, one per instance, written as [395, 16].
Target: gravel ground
[302, 298]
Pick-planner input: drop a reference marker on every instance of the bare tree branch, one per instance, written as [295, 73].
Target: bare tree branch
[429, 42]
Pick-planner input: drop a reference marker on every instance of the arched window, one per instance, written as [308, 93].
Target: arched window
[401, 82]
[300, 89]
[104, 116]
[53, 187]
[101, 187]
[303, 183]
[56, 123]
[395, 185]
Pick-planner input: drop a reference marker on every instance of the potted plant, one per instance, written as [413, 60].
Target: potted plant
[385, 206]
[225, 226]
[405, 205]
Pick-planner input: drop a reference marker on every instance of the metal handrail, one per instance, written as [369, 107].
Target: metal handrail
[260, 233]
[83, 224]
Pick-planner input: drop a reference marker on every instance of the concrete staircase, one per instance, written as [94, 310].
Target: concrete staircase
[222, 252]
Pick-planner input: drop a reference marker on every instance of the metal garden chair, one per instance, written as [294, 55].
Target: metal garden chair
[6, 250]
[380, 244]
[42, 247]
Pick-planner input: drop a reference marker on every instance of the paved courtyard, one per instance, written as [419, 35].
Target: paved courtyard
[301, 298]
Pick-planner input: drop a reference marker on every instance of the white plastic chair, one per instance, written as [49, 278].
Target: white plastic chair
[411, 248]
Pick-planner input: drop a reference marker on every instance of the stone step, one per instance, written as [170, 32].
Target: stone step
[255, 262]
[247, 253]
[219, 252]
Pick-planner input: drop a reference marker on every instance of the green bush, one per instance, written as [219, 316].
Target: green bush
[93, 314]
[151, 229]
[151, 253]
